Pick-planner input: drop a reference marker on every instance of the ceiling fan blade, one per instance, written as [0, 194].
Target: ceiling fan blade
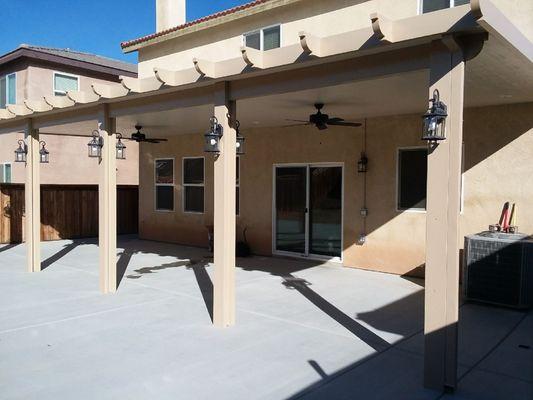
[292, 125]
[298, 120]
[335, 120]
[342, 123]
[154, 140]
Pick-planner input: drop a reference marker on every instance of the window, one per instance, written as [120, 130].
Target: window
[412, 178]
[264, 39]
[164, 185]
[64, 83]
[8, 90]
[435, 5]
[237, 194]
[193, 185]
[5, 173]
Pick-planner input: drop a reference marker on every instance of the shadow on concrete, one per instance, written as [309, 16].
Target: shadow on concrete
[205, 285]
[61, 253]
[8, 247]
[364, 334]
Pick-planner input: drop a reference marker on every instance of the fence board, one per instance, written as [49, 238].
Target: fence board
[67, 211]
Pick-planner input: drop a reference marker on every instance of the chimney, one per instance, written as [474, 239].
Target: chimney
[169, 13]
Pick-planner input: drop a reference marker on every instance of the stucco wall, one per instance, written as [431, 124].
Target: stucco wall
[498, 164]
[69, 163]
[321, 18]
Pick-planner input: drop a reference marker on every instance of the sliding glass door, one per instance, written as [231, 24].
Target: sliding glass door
[308, 210]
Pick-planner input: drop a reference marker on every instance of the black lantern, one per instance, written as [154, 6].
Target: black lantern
[362, 164]
[95, 145]
[435, 120]
[240, 138]
[212, 137]
[44, 155]
[121, 148]
[21, 152]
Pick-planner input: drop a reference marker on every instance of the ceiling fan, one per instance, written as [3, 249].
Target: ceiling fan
[141, 137]
[322, 121]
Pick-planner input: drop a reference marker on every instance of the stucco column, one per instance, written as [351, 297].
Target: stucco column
[443, 208]
[33, 199]
[107, 206]
[224, 212]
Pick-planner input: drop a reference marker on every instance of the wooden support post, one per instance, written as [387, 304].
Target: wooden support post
[224, 212]
[443, 208]
[33, 199]
[107, 206]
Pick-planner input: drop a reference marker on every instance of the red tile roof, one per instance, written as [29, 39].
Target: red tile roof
[195, 22]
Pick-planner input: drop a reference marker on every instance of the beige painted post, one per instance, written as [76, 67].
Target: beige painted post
[443, 208]
[224, 212]
[33, 199]
[107, 207]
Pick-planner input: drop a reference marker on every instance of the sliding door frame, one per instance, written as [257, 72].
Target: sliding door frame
[307, 254]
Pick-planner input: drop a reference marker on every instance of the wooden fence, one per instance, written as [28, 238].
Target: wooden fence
[67, 211]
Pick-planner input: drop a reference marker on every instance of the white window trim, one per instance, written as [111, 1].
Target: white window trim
[420, 210]
[262, 35]
[421, 6]
[3, 180]
[62, 92]
[6, 77]
[165, 184]
[185, 185]
[398, 209]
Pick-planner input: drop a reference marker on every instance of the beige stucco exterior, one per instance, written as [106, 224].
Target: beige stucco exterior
[396, 239]
[69, 163]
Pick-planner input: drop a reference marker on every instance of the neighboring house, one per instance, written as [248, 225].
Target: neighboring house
[33, 72]
[297, 190]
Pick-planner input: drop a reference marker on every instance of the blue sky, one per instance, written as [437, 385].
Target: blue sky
[95, 26]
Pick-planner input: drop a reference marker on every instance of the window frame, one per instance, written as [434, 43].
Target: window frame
[261, 32]
[409, 210]
[173, 184]
[3, 176]
[7, 93]
[185, 185]
[66, 74]
[421, 6]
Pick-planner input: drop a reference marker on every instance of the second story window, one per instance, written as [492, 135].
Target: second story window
[264, 39]
[435, 5]
[64, 83]
[8, 90]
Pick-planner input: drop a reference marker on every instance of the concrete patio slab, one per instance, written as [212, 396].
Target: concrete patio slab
[304, 330]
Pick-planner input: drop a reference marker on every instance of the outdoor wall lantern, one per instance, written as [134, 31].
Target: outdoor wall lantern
[21, 152]
[121, 148]
[435, 120]
[362, 164]
[44, 155]
[95, 145]
[240, 139]
[212, 137]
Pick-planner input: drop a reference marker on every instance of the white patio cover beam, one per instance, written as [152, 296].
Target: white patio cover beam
[19, 110]
[59, 101]
[83, 97]
[441, 315]
[32, 199]
[109, 91]
[6, 114]
[224, 211]
[135, 85]
[107, 204]
[496, 23]
[37, 105]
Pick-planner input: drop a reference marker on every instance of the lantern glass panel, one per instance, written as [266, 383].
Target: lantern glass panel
[20, 153]
[121, 150]
[240, 145]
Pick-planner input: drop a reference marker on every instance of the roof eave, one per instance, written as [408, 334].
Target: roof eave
[209, 24]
